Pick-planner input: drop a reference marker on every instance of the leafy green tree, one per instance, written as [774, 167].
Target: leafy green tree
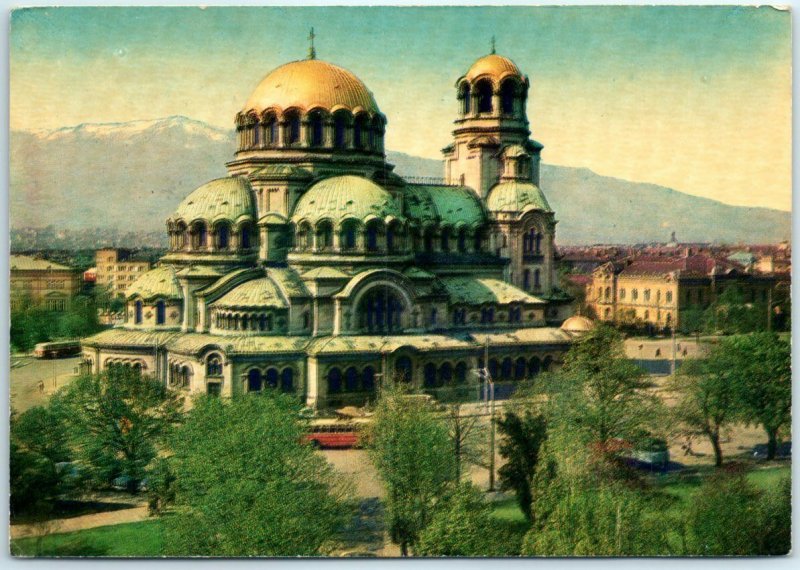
[468, 437]
[731, 313]
[413, 453]
[776, 519]
[37, 443]
[117, 419]
[463, 525]
[599, 393]
[706, 403]
[610, 520]
[761, 374]
[160, 486]
[725, 518]
[523, 433]
[247, 485]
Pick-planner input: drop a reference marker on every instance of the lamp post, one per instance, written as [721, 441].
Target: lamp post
[488, 399]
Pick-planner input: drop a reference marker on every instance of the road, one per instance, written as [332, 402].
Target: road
[27, 372]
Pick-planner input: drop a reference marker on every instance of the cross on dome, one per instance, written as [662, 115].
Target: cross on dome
[312, 52]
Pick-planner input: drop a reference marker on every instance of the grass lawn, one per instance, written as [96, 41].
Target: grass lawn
[131, 539]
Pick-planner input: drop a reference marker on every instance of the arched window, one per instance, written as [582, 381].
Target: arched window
[315, 124]
[271, 378]
[334, 380]
[244, 322]
[381, 310]
[635, 294]
[257, 135]
[445, 374]
[520, 367]
[534, 366]
[199, 236]
[271, 131]
[494, 368]
[669, 296]
[223, 236]
[434, 317]
[368, 379]
[428, 240]
[214, 365]
[351, 379]
[487, 315]
[137, 312]
[373, 229]
[430, 375]
[303, 240]
[526, 279]
[340, 130]
[507, 96]
[647, 294]
[403, 369]
[507, 369]
[161, 312]
[465, 99]
[244, 237]
[360, 129]
[390, 238]
[607, 295]
[483, 92]
[254, 380]
[445, 239]
[461, 372]
[348, 237]
[292, 135]
[622, 293]
[324, 235]
[478, 245]
[287, 380]
[546, 363]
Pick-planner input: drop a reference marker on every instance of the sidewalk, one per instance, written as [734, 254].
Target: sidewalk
[83, 522]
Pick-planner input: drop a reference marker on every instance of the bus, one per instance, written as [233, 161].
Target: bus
[57, 349]
[335, 434]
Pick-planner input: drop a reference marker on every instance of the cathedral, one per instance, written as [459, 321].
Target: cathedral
[314, 269]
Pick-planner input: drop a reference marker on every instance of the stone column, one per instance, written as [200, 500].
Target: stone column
[263, 245]
[281, 134]
[327, 133]
[304, 134]
[496, 111]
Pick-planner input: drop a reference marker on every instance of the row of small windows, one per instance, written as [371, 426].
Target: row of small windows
[271, 379]
[247, 322]
[316, 129]
[161, 312]
[220, 238]
[478, 98]
[351, 380]
[532, 242]
[519, 369]
[377, 236]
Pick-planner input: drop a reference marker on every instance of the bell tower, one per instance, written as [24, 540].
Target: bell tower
[492, 97]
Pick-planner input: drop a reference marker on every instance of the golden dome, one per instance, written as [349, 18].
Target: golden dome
[495, 66]
[577, 324]
[309, 84]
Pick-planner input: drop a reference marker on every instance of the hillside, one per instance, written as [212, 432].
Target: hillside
[131, 176]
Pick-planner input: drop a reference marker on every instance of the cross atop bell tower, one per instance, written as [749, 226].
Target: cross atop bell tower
[312, 52]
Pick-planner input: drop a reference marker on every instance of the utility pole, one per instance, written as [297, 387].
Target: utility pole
[674, 355]
[769, 310]
[490, 389]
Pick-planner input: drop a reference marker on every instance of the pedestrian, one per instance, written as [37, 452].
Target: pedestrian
[41, 386]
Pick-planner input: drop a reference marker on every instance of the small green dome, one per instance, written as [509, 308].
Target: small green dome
[342, 197]
[516, 196]
[256, 294]
[228, 199]
[156, 283]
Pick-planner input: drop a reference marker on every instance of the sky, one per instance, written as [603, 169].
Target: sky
[694, 98]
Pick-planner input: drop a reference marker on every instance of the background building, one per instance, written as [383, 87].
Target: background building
[117, 269]
[42, 283]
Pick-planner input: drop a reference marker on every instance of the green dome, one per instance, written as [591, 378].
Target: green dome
[255, 294]
[516, 196]
[342, 197]
[158, 282]
[228, 199]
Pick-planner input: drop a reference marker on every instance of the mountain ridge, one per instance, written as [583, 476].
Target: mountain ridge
[137, 172]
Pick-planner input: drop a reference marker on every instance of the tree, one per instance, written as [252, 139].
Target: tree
[463, 525]
[467, 435]
[522, 434]
[610, 520]
[247, 484]
[599, 393]
[706, 400]
[117, 419]
[761, 374]
[413, 453]
[37, 444]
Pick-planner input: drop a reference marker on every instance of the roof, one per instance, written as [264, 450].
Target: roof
[689, 266]
[342, 197]
[311, 83]
[195, 343]
[229, 198]
[282, 172]
[258, 293]
[27, 263]
[158, 282]
[456, 205]
[419, 204]
[288, 281]
[325, 273]
[515, 196]
[479, 290]
[129, 337]
[577, 324]
[494, 66]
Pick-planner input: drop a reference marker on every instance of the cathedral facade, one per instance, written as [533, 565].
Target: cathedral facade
[313, 268]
